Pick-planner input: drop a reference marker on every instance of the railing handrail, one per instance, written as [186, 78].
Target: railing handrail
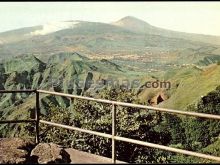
[113, 136]
[195, 114]
[19, 91]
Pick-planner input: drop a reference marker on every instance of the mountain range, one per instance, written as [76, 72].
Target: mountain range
[123, 42]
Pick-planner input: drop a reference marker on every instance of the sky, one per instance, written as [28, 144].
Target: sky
[193, 17]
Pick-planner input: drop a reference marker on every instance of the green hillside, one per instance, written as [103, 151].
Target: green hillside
[189, 85]
[64, 72]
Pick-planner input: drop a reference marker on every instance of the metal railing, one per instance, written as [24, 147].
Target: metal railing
[37, 111]
[113, 135]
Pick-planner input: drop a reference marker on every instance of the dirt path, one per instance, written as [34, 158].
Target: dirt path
[84, 157]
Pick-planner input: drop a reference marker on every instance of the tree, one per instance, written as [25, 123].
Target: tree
[199, 132]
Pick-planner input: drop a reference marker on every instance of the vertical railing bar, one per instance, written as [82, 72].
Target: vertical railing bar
[72, 100]
[113, 134]
[37, 117]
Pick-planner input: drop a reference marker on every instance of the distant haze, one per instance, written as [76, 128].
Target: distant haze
[192, 17]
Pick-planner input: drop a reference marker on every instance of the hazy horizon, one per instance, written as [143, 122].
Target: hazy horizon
[190, 17]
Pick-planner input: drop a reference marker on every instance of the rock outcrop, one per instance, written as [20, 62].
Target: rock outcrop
[15, 150]
[24, 151]
[158, 98]
[47, 153]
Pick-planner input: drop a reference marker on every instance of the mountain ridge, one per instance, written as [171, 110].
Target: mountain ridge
[141, 21]
[137, 25]
[142, 26]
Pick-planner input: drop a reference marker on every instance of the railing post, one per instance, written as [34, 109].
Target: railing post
[71, 103]
[37, 115]
[113, 133]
